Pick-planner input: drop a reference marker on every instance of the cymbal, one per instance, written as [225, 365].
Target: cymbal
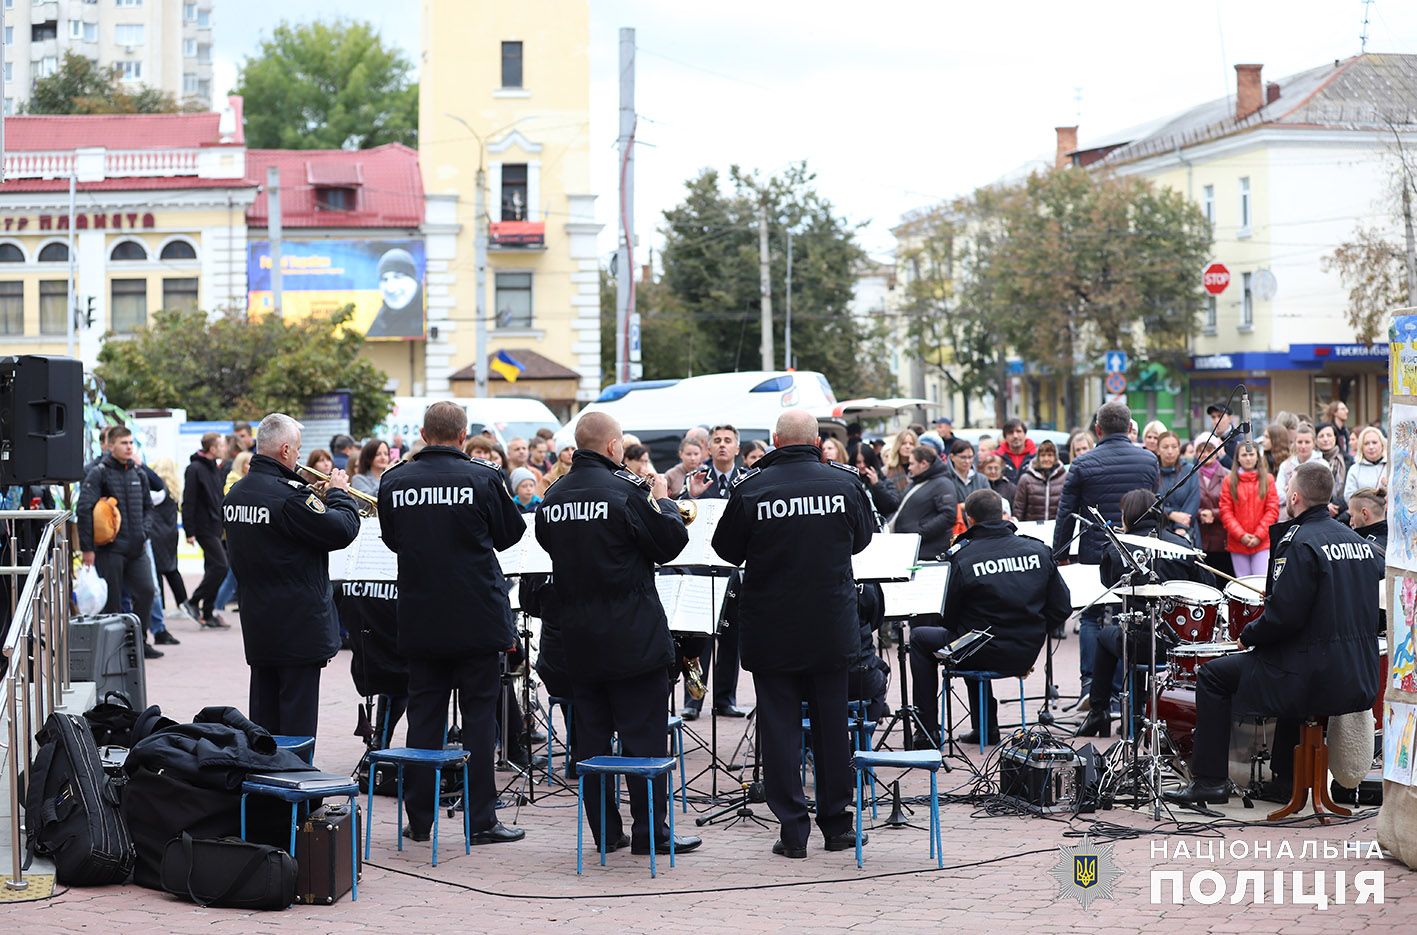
[1155, 544]
[1145, 590]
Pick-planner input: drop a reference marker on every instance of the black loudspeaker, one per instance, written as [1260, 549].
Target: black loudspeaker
[41, 420]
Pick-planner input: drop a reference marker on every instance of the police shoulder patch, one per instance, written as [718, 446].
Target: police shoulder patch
[744, 474]
[632, 478]
[1293, 530]
[954, 549]
[315, 504]
[844, 467]
[485, 463]
[298, 485]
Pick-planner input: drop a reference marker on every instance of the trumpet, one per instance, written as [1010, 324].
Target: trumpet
[688, 510]
[368, 506]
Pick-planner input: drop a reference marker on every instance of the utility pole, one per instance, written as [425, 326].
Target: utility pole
[765, 284]
[480, 260]
[273, 226]
[787, 294]
[627, 352]
[73, 306]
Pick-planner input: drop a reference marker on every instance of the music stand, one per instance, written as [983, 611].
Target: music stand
[952, 654]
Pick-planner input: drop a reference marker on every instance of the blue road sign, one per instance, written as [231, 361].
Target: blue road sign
[1116, 361]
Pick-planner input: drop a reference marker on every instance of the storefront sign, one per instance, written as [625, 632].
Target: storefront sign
[130, 220]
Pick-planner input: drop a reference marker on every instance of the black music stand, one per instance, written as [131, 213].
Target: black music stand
[952, 654]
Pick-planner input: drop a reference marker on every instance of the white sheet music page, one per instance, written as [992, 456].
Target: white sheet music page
[699, 553]
[923, 594]
[689, 602]
[889, 557]
[526, 557]
[366, 558]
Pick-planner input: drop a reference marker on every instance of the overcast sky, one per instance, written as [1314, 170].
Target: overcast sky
[897, 103]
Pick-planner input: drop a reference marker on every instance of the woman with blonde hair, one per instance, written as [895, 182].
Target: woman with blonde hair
[239, 466]
[561, 468]
[1151, 434]
[1370, 469]
[832, 450]
[898, 460]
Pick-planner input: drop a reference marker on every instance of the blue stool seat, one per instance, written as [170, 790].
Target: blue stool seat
[983, 677]
[866, 760]
[299, 797]
[675, 726]
[303, 747]
[650, 767]
[438, 760]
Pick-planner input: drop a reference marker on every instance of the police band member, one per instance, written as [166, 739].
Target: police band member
[445, 515]
[605, 529]
[280, 534]
[1312, 650]
[1137, 519]
[796, 522]
[998, 580]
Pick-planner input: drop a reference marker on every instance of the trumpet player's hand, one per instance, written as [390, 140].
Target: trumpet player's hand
[339, 480]
[659, 487]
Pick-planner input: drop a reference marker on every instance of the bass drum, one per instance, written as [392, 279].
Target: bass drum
[1251, 739]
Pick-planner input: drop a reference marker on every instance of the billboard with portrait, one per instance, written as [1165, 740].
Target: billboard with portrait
[382, 279]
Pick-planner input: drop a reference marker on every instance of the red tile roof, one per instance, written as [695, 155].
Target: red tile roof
[388, 188]
[113, 131]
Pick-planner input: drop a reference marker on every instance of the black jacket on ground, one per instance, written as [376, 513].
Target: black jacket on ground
[128, 484]
[446, 516]
[1314, 642]
[279, 537]
[796, 522]
[927, 507]
[1099, 478]
[202, 497]
[1009, 584]
[605, 534]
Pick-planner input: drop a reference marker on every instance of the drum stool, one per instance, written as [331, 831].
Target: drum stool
[1310, 775]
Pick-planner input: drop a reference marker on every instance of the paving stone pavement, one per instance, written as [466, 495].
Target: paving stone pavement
[996, 877]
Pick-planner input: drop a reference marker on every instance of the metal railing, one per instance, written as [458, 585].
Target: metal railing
[36, 651]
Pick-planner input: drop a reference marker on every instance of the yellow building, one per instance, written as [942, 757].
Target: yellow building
[507, 87]
[159, 222]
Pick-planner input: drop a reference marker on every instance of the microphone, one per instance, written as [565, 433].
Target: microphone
[1246, 432]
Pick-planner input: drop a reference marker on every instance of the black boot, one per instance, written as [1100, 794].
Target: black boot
[1098, 724]
[1202, 791]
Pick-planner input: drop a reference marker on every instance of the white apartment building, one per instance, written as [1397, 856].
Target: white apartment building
[165, 44]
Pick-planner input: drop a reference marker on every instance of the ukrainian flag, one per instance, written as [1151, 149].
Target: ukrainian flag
[508, 366]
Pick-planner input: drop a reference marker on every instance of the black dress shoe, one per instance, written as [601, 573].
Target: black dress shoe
[1098, 724]
[190, 609]
[1202, 792]
[782, 850]
[690, 714]
[923, 742]
[973, 737]
[412, 835]
[730, 710]
[165, 638]
[1277, 791]
[682, 845]
[619, 844]
[152, 652]
[498, 834]
[215, 622]
[846, 841]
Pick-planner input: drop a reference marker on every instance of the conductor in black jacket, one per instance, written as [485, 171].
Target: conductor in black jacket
[281, 534]
[997, 580]
[1312, 652]
[605, 530]
[796, 522]
[445, 515]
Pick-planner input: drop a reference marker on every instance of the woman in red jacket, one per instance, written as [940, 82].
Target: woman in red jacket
[1249, 505]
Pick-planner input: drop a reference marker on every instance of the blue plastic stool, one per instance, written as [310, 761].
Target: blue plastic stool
[299, 797]
[983, 676]
[438, 760]
[602, 766]
[566, 705]
[303, 747]
[676, 749]
[904, 759]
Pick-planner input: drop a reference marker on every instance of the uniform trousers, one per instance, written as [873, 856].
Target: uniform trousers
[637, 709]
[478, 683]
[779, 712]
[286, 699]
[1216, 684]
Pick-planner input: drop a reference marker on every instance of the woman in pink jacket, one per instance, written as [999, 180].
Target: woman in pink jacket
[1249, 505]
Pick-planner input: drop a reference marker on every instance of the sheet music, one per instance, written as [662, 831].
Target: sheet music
[1042, 530]
[366, 558]
[1085, 584]
[889, 557]
[526, 557]
[923, 594]
[689, 602]
[699, 553]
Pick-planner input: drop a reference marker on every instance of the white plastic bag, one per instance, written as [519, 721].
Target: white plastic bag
[90, 591]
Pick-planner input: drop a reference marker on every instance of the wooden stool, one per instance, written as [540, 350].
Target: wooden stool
[1310, 775]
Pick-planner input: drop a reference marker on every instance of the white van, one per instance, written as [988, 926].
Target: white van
[507, 417]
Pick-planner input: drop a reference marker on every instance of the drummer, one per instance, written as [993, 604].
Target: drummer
[1137, 520]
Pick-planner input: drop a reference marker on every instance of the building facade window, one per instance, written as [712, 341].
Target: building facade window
[189, 48]
[129, 304]
[53, 303]
[127, 2]
[513, 300]
[128, 250]
[511, 64]
[1245, 205]
[131, 70]
[204, 19]
[1247, 303]
[43, 32]
[189, 12]
[47, 66]
[180, 295]
[1210, 314]
[9, 35]
[54, 253]
[9, 253]
[12, 308]
[9, 72]
[178, 250]
[128, 34]
[204, 54]
[1208, 203]
[189, 84]
[514, 191]
[334, 198]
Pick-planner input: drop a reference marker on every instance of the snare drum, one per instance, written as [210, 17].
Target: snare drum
[1192, 611]
[1185, 660]
[1242, 605]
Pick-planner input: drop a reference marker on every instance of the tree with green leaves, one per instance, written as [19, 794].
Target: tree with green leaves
[233, 367]
[328, 85]
[80, 86]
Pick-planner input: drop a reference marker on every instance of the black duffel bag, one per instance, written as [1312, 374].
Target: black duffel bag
[228, 873]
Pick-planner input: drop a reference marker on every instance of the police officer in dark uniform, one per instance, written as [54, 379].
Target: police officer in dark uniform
[280, 534]
[1137, 519]
[605, 529]
[796, 522]
[1313, 652]
[998, 580]
[445, 515]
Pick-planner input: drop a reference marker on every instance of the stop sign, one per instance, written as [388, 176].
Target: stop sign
[1215, 278]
